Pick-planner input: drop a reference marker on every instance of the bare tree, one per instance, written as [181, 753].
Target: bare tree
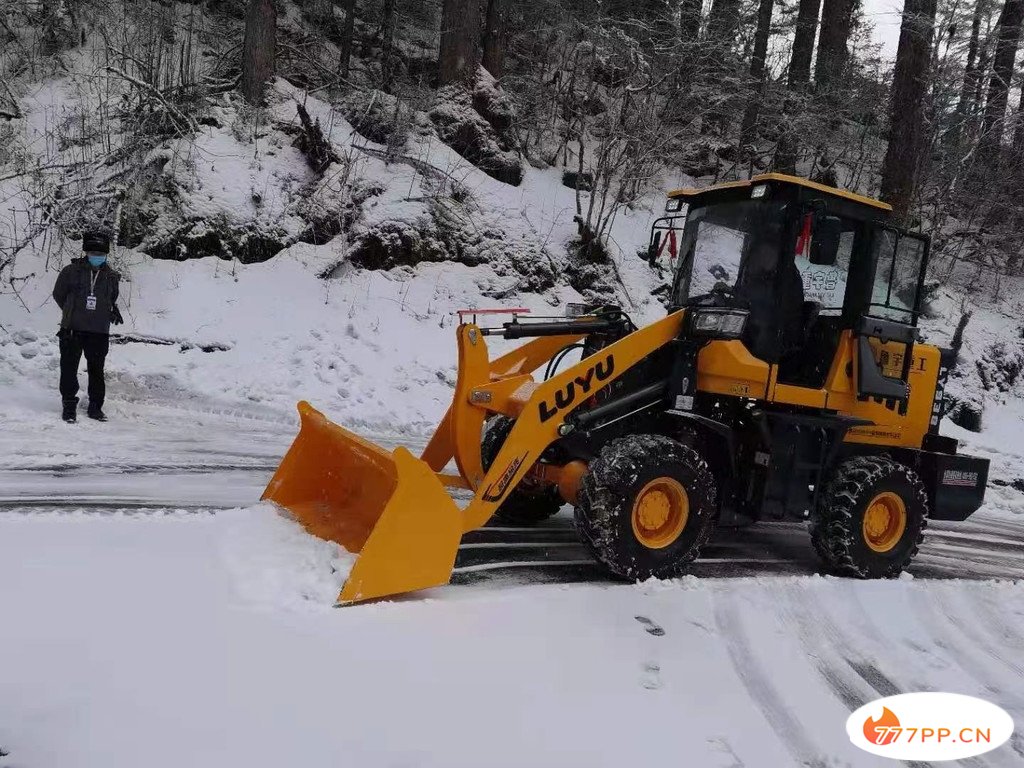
[460, 42]
[907, 102]
[258, 49]
[1007, 40]
[495, 37]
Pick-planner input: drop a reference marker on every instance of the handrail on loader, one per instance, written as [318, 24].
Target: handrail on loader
[392, 508]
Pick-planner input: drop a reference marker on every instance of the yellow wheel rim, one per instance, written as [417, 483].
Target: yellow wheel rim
[660, 512]
[885, 521]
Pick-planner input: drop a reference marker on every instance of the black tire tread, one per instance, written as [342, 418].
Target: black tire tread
[835, 522]
[603, 496]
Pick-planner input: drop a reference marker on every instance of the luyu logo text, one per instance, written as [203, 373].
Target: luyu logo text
[929, 726]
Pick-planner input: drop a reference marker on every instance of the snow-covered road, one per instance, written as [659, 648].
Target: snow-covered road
[139, 609]
[212, 635]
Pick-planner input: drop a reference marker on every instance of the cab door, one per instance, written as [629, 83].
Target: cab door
[823, 254]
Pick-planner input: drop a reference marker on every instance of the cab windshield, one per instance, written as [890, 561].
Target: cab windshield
[728, 247]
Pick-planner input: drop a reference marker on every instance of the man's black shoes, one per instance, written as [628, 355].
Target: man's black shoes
[70, 412]
[96, 413]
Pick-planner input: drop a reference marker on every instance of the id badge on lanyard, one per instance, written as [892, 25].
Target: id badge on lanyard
[90, 300]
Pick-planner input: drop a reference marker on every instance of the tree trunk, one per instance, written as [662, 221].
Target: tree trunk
[258, 49]
[689, 20]
[1007, 39]
[836, 24]
[803, 43]
[799, 78]
[723, 23]
[646, 10]
[387, 55]
[907, 101]
[347, 35]
[1018, 129]
[460, 42]
[748, 131]
[965, 106]
[495, 37]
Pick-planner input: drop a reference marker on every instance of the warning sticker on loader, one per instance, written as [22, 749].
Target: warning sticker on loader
[497, 490]
[960, 478]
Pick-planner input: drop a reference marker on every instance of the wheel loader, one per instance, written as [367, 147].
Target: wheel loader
[786, 382]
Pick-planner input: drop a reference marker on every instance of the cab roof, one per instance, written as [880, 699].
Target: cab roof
[782, 179]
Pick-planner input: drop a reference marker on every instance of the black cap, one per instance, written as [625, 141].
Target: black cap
[95, 242]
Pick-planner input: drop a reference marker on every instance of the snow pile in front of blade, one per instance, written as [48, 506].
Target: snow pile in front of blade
[274, 563]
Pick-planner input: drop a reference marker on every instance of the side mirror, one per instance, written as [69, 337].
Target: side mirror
[825, 240]
[652, 249]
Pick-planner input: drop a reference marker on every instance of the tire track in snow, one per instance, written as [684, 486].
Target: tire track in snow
[816, 632]
[945, 604]
[949, 634]
[993, 623]
[818, 622]
[865, 618]
[769, 699]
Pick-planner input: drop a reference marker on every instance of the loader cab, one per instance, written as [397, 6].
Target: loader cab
[805, 262]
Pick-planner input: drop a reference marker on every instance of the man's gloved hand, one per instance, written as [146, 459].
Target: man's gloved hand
[115, 316]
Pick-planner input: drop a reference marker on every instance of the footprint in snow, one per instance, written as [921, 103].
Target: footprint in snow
[650, 627]
[651, 678]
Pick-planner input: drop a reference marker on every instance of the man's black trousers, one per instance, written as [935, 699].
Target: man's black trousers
[73, 344]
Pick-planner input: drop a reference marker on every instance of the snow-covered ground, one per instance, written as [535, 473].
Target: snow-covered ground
[208, 640]
[143, 624]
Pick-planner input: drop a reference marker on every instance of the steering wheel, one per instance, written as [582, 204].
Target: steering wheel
[722, 295]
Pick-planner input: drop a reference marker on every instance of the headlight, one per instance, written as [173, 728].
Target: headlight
[718, 323]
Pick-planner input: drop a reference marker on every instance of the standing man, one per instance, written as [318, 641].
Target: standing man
[86, 291]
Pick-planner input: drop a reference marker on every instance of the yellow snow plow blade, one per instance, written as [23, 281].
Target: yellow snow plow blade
[389, 508]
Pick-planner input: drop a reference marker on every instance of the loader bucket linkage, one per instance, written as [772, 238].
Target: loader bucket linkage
[391, 508]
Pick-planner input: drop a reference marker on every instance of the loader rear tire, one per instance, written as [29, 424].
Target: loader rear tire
[646, 507]
[528, 503]
[870, 519]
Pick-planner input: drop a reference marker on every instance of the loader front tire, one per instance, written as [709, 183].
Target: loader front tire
[529, 503]
[870, 519]
[646, 507]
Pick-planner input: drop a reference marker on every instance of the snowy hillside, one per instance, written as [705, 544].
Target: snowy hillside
[309, 323]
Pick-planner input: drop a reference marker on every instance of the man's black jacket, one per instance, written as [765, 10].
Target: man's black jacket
[71, 292]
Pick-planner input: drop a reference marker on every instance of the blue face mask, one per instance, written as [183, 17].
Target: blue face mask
[97, 260]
